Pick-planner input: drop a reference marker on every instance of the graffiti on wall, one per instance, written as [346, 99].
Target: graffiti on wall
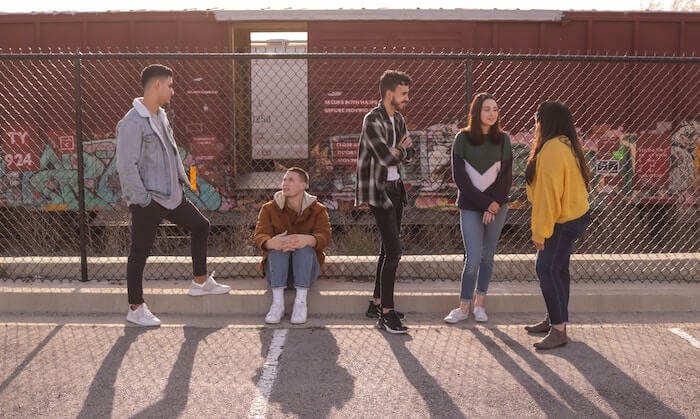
[660, 163]
[44, 174]
[664, 163]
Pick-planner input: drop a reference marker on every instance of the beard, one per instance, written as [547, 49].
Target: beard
[399, 106]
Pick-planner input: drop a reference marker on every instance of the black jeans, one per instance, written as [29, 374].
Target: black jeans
[552, 267]
[389, 224]
[144, 226]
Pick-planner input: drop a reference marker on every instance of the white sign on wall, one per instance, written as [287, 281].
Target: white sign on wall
[279, 90]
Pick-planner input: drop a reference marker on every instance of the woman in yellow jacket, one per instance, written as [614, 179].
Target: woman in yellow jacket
[557, 186]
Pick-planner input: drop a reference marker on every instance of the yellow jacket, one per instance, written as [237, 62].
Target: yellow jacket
[558, 192]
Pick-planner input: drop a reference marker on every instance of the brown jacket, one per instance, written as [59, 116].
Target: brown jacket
[275, 218]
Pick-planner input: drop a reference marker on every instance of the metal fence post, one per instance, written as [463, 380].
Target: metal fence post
[81, 169]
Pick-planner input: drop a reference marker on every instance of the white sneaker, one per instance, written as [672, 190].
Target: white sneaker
[456, 315]
[299, 314]
[142, 316]
[480, 314]
[275, 314]
[209, 287]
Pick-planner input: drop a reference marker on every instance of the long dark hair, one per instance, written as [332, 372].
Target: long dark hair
[555, 119]
[473, 129]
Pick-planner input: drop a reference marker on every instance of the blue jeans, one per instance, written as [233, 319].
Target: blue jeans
[301, 264]
[480, 241]
[552, 267]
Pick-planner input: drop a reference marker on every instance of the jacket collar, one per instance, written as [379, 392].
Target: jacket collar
[143, 111]
[306, 201]
[397, 115]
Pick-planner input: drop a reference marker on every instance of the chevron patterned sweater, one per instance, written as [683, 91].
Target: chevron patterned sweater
[483, 173]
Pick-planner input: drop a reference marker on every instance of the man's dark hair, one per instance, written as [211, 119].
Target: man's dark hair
[301, 172]
[155, 71]
[392, 78]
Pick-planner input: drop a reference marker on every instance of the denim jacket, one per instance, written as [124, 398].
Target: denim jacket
[142, 159]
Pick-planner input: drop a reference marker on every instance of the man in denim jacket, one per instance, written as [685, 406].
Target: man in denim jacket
[151, 175]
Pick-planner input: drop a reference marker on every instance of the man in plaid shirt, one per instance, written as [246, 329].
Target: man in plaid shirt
[384, 144]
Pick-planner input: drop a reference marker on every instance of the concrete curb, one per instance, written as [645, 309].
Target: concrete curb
[251, 296]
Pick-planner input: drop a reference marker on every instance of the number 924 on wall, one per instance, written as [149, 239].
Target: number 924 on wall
[18, 161]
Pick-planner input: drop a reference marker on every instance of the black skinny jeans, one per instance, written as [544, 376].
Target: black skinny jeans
[144, 226]
[388, 222]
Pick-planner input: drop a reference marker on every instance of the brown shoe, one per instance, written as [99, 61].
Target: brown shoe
[553, 339]
[541, 327]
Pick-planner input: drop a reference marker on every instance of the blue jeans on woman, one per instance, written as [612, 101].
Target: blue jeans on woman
[552, 267]
[480, 241]
[301, 264]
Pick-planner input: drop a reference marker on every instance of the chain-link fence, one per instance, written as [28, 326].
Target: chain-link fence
[241, 119]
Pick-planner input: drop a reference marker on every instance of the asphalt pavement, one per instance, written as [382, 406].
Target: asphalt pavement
[641, 365]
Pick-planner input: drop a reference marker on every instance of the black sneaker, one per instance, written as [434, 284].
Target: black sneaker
[374, 310]
[391, 323]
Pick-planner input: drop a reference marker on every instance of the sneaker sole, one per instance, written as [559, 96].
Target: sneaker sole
[395, 332]
[376, 316]
[142, 324]
[451, 321]
[202, 293]
[297, 322]
[383, 327]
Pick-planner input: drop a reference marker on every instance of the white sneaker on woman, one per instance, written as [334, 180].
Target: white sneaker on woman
[480, 314]
[456, 315]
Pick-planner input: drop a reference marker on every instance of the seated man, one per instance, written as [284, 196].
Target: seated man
[292, 230]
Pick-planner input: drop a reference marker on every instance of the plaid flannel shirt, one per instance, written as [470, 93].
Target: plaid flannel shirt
[374, 156]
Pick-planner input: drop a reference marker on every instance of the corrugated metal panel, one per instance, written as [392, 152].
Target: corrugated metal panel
[387, 14]
[156, 31]
[692, 37]
[566, 37]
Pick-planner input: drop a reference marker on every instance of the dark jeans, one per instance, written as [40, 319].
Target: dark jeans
[389, 224]
[144, 226]
[553, 267]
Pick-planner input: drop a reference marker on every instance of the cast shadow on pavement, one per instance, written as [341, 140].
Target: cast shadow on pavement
[622, 393]
[177, 389]
[436, 398]
[549, 404]
[100, 398]
[309, 383]
[30, 356]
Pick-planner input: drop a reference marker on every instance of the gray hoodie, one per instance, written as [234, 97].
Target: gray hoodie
[142, 159]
